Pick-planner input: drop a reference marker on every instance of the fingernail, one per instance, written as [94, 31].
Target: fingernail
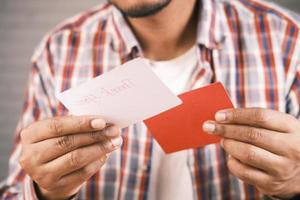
[112, 131]
[116, 142]
[209, 127]
[98, 123]
[220, 116]
[222, 143]
[228, 157]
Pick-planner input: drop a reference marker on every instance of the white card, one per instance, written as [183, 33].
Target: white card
[123, 96]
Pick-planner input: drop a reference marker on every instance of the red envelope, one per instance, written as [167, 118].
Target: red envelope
[181, 127]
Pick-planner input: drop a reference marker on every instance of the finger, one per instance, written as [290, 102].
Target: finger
[266, 139]
[78, 177]
[258, 117]
[60, 126]
[255, 156]
[81, 157]
[55, 147]
[247, 173]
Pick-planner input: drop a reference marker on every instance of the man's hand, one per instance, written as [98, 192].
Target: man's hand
[61, 153]
[263, 147]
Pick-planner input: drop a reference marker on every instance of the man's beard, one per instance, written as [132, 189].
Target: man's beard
[144, 10]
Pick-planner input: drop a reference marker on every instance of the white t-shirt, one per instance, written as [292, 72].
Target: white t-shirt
[170, 177]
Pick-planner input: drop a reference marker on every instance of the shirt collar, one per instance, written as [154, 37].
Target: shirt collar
[210, 30]
[125, 31]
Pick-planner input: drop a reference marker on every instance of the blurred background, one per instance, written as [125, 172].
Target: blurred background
[22, 25]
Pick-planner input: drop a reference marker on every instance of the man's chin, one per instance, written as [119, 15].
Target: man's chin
[143, 9]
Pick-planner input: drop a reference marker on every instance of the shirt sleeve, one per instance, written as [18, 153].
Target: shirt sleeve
[291, 60]
[39, 104]
[293, 98]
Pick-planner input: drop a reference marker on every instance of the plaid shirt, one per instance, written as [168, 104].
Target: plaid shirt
[252, 47]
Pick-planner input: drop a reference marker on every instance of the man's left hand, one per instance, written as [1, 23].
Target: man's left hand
[263, 147]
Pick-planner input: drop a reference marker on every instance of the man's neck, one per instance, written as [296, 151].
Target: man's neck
[169, 33]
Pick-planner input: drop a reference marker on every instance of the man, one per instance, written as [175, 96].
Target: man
[252, 47]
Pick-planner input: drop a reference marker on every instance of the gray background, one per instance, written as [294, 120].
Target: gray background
[22, 25]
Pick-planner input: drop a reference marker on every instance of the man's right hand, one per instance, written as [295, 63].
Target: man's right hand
[61, 153]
